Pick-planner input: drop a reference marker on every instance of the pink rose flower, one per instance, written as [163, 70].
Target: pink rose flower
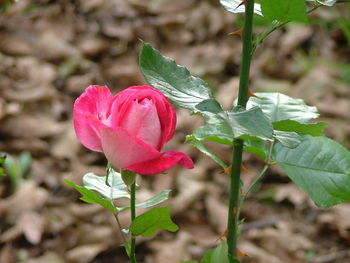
[130, 128]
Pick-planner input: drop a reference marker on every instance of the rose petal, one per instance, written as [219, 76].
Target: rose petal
[142, 121]
[123, 149]
[162, 163]
[122, 102]
[166, 111]
[90, 112]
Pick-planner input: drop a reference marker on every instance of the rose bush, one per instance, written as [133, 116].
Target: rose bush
[130, 128]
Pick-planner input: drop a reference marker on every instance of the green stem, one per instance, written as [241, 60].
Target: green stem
[125, 242]
[133, 215]
[232, 224]
[260, 38]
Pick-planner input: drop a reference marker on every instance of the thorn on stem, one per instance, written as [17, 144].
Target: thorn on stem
[251, 94]
[244, 2]
[238, 32]
[228, 170]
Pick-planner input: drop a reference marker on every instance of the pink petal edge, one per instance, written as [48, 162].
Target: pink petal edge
[123, 149]
[162, 163]
[87, 115]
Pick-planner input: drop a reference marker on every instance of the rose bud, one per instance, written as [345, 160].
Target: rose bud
[130, 128]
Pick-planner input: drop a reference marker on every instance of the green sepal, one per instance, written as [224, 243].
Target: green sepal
[128, 177]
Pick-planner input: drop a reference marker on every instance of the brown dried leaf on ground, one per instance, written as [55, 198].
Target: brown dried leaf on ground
[284, 242]
[337, 218]
[85, 253]
[29, 126]
[170, 251]
[257, 254]
[291, 193]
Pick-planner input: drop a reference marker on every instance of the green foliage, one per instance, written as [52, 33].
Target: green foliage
[116, 189]
[319, 166]
[155, 200]
[257, 147]
[217, 255]
[197, 144]
[284, 10]
[210, 105]
[17, 168]
[325, 2]
[223, 127]
[173, 80]
[217, 130]
[236, 6]
[314, 129]
[2, 161]
[155, 219]
[344, 25]
[95, 185]
[278, 107]
[316, 164]
[250, 124]
[288, 139]
[91, 197]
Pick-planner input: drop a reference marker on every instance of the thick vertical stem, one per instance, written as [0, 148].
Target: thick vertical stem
[133, 215]
[246, 54]
[232, 225]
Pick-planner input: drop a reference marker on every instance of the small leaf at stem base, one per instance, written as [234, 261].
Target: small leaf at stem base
[91, 197]
[148, 223]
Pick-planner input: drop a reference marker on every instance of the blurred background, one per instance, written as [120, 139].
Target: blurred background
[50, 51]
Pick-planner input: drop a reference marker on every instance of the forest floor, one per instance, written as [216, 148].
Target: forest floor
[50, 51]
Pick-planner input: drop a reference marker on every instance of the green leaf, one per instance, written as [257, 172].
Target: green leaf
[324, 2]
[25, 161]
[284, 10]
[223, 127]
[288, 139]
[155, 200]
[236, 6]
[12, 167]
[217, 255]
[257, 147]
[148, 223]
[319, 166]
[250, 123]
[203, 149]
[2, 158]
[91, 197]
[210, 105]
[217, 130]
[2, 161]
[278, 107]
[189, 261]
[98, 184]
[173, 80]
[314, 129]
